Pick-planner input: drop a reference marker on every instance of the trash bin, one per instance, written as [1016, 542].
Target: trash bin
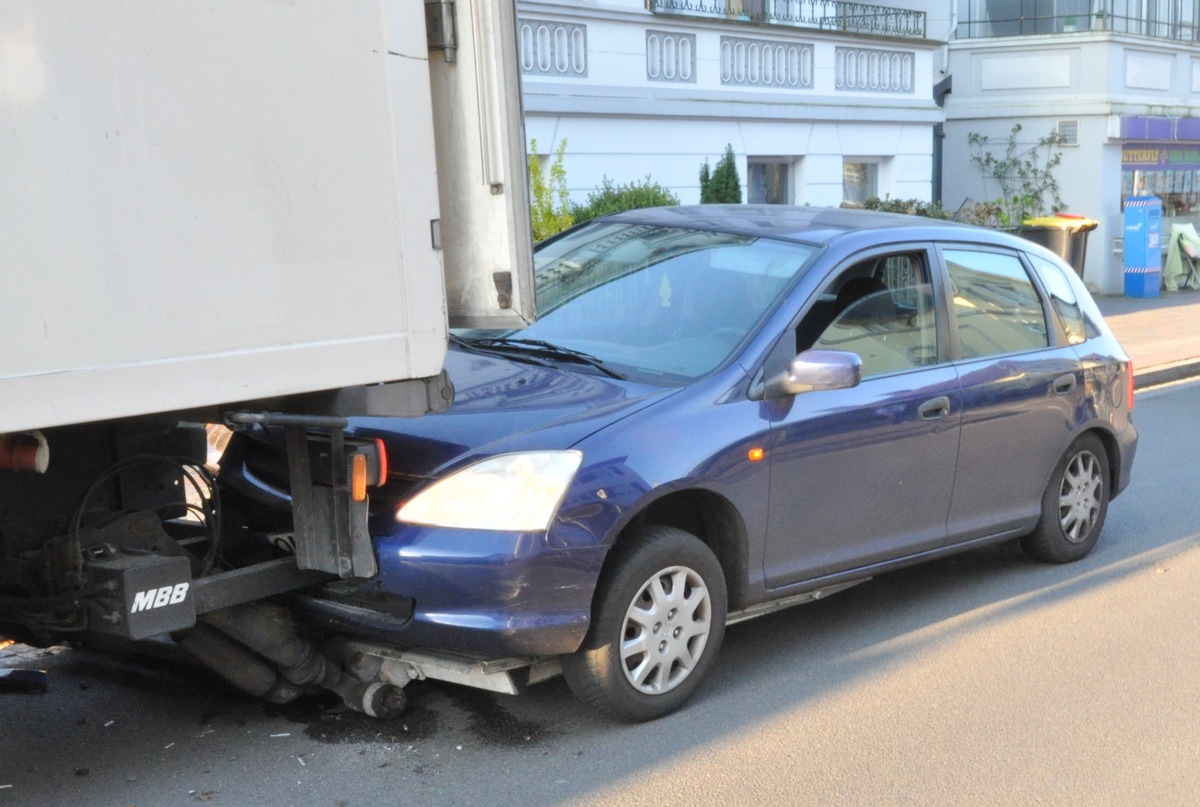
[1143, 246]
[1063, 234]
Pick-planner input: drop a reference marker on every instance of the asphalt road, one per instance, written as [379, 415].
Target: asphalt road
[982, 680]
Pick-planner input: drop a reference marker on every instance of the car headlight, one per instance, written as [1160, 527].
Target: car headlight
[519, 492]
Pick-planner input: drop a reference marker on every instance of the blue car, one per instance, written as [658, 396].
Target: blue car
[726, 410]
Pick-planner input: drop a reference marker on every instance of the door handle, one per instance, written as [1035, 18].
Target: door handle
[932, 410]
[1064, 384]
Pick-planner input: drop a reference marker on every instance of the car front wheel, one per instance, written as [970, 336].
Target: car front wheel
[1073, 506]
[657, 624]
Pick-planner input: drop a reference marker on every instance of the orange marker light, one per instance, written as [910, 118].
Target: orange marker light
[755, 454]
[358, 478]
[383, 461]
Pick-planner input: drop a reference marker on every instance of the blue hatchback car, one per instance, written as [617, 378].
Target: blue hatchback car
[726, 410]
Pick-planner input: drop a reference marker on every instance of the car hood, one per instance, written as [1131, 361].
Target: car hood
[503, 405]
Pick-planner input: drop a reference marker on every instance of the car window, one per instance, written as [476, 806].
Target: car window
[656, 302]
[880, 309]
[890, 330]
[1062, 298]
[996, 305]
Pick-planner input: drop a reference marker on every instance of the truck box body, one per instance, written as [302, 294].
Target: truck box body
[213, 201]
[247, 217]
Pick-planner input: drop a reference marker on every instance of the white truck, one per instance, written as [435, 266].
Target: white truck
[234, 212]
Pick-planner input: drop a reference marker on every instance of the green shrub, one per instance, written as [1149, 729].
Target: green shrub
[721, 185]
[982, 214]
[610, 198]
[548, 196]
[913, 207]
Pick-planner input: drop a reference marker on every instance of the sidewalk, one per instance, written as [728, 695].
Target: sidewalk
[1161, 334]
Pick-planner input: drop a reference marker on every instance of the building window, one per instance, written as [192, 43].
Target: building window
[1169, 170]
[768, 181]
[860, 179]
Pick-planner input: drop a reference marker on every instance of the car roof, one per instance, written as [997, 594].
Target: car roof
[811, 225]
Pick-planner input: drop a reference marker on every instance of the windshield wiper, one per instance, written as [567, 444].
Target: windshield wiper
[541, 349]
[528, 358]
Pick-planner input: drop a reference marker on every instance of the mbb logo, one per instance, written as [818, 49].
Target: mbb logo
[158, 597]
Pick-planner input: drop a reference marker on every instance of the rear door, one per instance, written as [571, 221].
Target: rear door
[1021, 384]
[865, 474]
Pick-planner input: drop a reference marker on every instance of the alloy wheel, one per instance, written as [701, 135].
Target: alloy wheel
[1080, 496]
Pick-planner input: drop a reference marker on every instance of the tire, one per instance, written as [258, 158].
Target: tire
[664, 586]
[1073, 506]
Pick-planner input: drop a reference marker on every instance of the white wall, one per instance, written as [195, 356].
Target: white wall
[1038, 81]
[620, 124]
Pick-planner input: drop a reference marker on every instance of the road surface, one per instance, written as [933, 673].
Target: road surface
[982, 680]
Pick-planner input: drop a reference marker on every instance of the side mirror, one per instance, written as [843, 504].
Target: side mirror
[815, 370]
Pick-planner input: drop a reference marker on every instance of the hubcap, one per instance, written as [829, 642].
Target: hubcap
[666, 629]
[1080, 497]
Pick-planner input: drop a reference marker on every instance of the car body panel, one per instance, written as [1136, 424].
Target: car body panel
[849, 482]
[870, 444]
[1015, 427]
[543, 407]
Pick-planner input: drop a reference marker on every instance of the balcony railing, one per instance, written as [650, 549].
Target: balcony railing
[836, 15]
[1158, 19]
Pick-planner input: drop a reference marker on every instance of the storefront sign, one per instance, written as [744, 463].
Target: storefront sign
[1160, 156]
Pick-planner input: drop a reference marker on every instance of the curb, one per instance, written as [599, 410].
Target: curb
[1165, 373]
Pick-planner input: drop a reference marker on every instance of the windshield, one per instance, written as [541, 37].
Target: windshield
[655, 301]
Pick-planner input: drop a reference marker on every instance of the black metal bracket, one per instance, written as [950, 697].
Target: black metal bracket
[330, 528]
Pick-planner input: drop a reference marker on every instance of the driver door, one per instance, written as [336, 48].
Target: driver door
[865, 475]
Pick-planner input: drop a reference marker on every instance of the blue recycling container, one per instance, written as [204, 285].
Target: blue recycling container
[1143, 246]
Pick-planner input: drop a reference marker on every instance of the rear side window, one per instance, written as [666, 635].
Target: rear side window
[1062, 298]
[997, 307]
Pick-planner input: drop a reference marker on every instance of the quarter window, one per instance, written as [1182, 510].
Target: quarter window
[1062, 298]
[997, 307]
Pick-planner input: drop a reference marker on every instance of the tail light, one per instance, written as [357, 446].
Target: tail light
[1129, 370]
[368, 467]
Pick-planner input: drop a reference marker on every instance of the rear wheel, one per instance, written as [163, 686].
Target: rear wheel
[657, 624]
[1073, 506]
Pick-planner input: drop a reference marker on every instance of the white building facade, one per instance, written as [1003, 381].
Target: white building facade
[821, 101]
[826, 101]
[1120, 81]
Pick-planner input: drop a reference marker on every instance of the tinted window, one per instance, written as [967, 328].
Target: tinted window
[997, 307]
[1062, 298]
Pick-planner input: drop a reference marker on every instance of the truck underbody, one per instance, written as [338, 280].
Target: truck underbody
[130, 535]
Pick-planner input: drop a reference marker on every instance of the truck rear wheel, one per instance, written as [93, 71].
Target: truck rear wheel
[657, 625]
